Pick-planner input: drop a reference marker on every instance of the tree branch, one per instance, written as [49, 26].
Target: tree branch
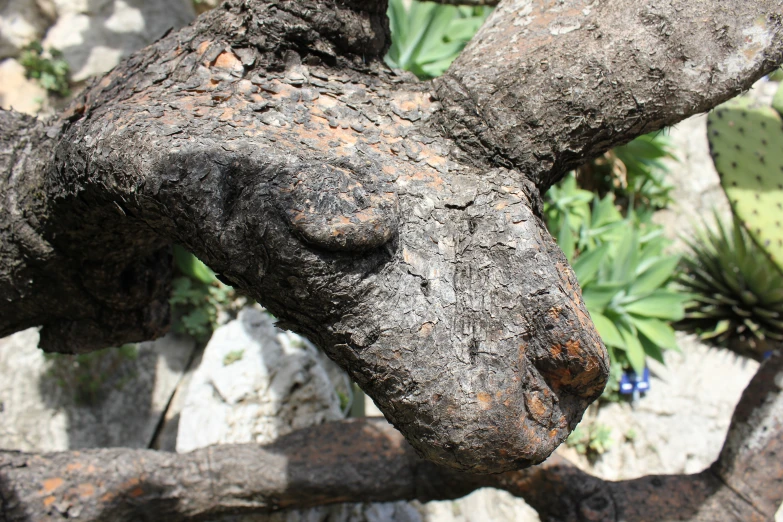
[369, 461]
[313, 179]
[546, 85]
[270, 139]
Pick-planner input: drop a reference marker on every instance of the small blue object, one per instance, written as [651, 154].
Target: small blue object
[631, 383]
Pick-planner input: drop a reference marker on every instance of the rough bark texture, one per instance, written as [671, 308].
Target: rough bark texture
[546, 84]
[365, 460]
[270, 139]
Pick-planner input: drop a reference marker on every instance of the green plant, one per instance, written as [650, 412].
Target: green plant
[48, 68]
[427, 37]
[746, 143]
[624, 275]
[625, 286]
[635, 173]
[591, 440]
[89, 375]
[737, 293]
[577, 225]
[197, 296]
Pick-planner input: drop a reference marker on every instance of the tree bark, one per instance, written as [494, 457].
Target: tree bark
[368, 461]
[546, 84]
[270, 139]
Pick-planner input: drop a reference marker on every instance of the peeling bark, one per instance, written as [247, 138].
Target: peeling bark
[368, 461]
[270, 139]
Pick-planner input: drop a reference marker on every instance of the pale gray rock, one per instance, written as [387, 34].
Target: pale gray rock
[255, 383]
[483, 505]
[42, 411]
[18, 92]
[94, 35]
[21, 22]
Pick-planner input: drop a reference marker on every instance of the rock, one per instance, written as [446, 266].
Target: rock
[255, 383]
[21, 22]
[95, 35]
[483, 505]
[17, 92]
[112, 398]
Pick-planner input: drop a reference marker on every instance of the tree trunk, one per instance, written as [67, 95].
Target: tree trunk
[368, 461]
[394, 223]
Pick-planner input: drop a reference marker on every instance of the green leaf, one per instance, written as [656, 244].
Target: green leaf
[662, 304]
[634, 350]
[652, 349]
[607, 330]
[192, 267]
[655, 275]
[565, 239]
[587, 264]
[598, 296]
[625, 256]
[658, 332]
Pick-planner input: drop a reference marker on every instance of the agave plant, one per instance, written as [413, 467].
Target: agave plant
[625, 285]
[427, 37]
[737, 292]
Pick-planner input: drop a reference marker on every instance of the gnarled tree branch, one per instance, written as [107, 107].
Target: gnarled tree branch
[546, 85]
[368, 461]
[271, 140]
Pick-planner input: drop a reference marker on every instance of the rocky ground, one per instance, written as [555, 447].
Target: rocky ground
[253, 382]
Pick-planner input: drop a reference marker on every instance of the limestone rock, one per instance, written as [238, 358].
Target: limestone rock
[483, 505]
[21, 22]
[16, 91]
[94, 35]
[255, 383]
[42, 400]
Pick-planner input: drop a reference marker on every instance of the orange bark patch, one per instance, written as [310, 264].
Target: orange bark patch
[203, 46]
[228, 60]
[573, 348]
[51, 484]
[73, 466]
[48, 501]
[136, 492]
[426, 329]
[536, 406]
[485, 400]
[557, 350]
[86, 490]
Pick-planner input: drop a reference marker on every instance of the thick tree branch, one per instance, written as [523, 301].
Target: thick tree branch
[311, 177]
[270, 139]
[368, 461]
[546, 85]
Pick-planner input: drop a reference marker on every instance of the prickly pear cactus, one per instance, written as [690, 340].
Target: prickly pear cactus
[746, 143]
[777, 101]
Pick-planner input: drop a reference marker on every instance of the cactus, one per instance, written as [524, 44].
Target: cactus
[746, 143]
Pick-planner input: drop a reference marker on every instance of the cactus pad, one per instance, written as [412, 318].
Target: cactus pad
[746, 143]
[777, 101]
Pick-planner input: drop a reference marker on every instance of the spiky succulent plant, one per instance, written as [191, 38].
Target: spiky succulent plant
[737, 291]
